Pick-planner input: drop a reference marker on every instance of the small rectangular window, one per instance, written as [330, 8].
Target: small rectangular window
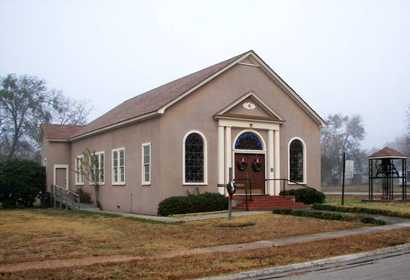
[118, 166]
[146, 164]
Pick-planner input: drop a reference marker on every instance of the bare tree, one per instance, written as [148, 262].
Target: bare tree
[92, 172]
[70, 111]
[25, 103]
[342, 134]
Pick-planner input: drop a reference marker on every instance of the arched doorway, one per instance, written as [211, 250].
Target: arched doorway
[249, 159]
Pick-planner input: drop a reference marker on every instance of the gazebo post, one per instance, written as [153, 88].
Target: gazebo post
[387, 172]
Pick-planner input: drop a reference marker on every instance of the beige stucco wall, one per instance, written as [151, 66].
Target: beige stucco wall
[54, 153]
[196, 113]
[166, 136]
[131, 197]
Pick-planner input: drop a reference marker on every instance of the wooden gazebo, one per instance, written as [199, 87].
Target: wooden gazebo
[383, 168]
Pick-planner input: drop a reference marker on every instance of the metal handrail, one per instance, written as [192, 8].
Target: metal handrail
[248, 189]
[284, 181]
[64, 196]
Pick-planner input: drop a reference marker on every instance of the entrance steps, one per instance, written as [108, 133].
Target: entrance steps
[265, 202]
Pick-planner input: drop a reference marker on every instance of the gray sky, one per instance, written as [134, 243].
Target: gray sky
[340, 56]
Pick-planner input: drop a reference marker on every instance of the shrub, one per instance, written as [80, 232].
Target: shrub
[329, 216]
[20, 182]
[85, 197]
[192, 203]
[307, 196]
[372, 211]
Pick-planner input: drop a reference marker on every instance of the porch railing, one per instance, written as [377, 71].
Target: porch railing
[64, 198]
[286, 184]
[247, 188]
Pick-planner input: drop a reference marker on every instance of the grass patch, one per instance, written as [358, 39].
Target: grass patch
[373, 208]
[329, 216]
[30, 235]
[189, 267]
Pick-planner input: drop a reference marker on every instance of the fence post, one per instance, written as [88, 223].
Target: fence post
[343, 178]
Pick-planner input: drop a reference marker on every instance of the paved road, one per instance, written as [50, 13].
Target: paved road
[393, 268]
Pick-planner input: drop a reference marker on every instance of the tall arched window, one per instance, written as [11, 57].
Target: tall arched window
[248, 141]
[194, 168]
[297, 160]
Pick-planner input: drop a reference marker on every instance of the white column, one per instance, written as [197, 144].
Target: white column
[221, 159]
[277, 162]
[228, 152]
[270, 183]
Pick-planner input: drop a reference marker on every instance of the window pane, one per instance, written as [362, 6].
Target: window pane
[122, 174]
[115, 161]
[248, 141]
[194, 158]
[146, 173]
[146, 154]
[296, 161]
[122, 155]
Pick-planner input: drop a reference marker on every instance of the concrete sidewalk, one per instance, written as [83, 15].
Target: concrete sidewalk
[333, 263]
[177, 218]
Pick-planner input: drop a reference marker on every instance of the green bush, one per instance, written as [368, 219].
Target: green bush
[307, 196]
[192, 203]
[20, 182]
[328, 216]
[365, 210]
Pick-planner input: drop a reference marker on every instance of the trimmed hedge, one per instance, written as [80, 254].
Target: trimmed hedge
[364, 210]
[328, 216]
[192, 203]
[21, 181]
[307, 196]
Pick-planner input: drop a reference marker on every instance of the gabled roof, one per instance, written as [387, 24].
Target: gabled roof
[59, 132]
[273, 116]
[156, 101]
[387, 152]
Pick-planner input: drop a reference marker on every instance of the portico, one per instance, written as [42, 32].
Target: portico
[251, 116]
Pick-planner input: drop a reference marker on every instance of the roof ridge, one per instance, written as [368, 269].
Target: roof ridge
[169, 87]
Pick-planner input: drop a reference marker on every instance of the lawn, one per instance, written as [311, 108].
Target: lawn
[190, 267]
[31, 235]
[397, 206]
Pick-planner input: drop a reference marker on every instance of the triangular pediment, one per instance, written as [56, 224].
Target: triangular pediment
[249, 106]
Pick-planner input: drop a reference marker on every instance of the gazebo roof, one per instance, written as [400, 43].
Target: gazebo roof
[387, 152]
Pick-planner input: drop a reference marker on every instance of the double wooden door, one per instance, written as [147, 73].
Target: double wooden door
[250, 168]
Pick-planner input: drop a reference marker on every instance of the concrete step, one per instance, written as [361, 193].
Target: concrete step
[266, 202]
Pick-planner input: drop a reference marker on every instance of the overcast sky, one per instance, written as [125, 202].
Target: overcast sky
[351, 57]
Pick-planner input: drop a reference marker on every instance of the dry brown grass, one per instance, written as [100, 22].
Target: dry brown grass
[213, 264]
[32, 235]
[395, 206]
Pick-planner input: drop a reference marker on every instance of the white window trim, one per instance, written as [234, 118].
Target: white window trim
[78, 175]
[98, 156]
[205, 182]
[304, 160]
[143, 182]
[250, 151]
[118, 183]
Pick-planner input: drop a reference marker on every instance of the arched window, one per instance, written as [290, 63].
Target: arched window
[248, 141]
[297, 161]
[194, 158]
